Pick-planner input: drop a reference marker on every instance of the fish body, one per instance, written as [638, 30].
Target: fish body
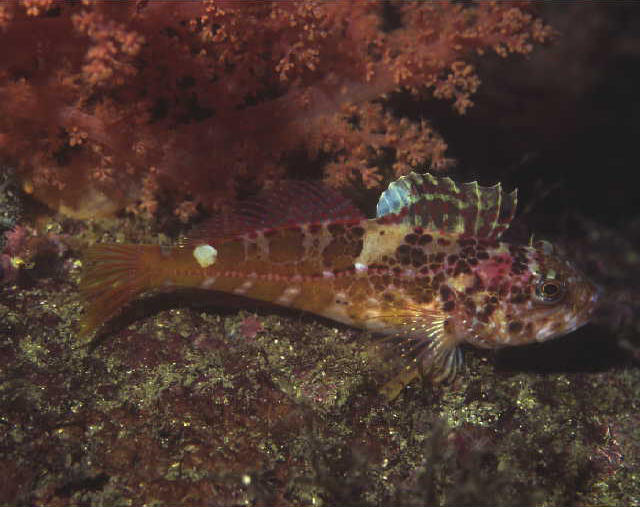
[429, 271]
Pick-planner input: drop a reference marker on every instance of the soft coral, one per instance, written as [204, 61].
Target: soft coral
[102, 101]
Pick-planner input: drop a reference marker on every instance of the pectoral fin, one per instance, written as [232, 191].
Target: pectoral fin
[425, 348]
[440, 367]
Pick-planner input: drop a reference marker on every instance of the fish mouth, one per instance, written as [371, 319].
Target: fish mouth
[588, 299]
[573, 314]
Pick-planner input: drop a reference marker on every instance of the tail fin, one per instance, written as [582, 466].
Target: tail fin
[114, 275]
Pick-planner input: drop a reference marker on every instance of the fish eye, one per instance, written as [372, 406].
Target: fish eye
[549, 291]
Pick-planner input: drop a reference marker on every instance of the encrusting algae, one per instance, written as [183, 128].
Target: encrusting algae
[429, 272]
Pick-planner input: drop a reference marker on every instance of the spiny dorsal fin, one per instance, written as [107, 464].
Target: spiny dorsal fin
[290, 203]
[444, 205]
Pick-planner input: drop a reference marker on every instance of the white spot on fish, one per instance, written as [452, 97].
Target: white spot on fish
[338, 312]
[543, 332]
[206, 255]
[208, 282]
[246, 285]
[360, 267]
[328, 274]
[571, 321]
[372, 321]
[288, 295]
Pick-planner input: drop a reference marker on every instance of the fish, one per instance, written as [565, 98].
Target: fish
[428, 274]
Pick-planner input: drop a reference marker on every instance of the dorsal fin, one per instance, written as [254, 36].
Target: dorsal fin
[290, 203]
[444, 205]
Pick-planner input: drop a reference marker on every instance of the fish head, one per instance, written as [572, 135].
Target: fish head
[541, 296]
[561, 297]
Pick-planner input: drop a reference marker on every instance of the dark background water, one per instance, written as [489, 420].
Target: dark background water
[562, 124]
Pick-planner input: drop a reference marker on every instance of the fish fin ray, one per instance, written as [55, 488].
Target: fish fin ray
[114, 274]
[439, 364]
[423, 347]
[290, 203]
[441, 204]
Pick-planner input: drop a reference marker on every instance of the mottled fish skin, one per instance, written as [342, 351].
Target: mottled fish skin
[433, 288]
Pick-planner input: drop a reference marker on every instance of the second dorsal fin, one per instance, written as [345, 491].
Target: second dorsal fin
[289, 203]
[444, 205]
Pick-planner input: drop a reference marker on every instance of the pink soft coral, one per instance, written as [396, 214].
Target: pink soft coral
[106, 104]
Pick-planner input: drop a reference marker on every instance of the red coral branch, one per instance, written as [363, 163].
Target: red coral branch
[107, 104]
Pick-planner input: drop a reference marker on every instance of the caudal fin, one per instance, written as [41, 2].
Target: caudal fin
[114, 275]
